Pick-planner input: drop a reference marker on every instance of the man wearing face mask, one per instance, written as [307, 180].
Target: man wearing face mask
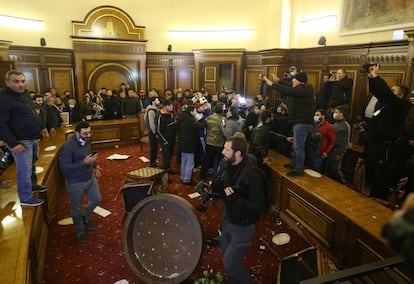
[328, 140]
[79, 166]
[342, 132]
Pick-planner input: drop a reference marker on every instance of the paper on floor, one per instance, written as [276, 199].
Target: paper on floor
[66, 221]
[144, 159]
[117, 157]
[194, 195]
[101, 211]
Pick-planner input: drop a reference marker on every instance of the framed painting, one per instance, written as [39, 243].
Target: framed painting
[375, 15]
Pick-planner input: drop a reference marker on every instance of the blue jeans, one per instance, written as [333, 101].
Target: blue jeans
[26, 168]
[76, 191]
[187, 166]
[235, 242]
[300, 132]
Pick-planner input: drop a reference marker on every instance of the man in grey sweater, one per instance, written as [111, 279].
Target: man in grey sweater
[343, 132]
[78, 165]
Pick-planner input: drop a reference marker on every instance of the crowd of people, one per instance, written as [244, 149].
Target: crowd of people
[216, 128]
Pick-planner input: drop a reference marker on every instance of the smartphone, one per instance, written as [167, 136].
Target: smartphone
[94, 153]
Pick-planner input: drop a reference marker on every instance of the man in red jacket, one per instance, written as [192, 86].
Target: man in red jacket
[328, 140]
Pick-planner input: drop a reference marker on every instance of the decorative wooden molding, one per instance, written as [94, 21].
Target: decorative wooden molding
[108, 23]
[410, 34]
[99, 46]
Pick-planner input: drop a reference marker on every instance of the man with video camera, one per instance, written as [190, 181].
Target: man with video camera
[243, 188]
[382, 133]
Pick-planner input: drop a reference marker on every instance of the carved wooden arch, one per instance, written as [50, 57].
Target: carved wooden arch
[108, 22]
[120, 71]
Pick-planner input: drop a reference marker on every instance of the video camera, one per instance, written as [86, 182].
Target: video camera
[367, 66]
[360, 125]
[206, 192]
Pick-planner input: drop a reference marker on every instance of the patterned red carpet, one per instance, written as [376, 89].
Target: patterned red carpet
[103, 259]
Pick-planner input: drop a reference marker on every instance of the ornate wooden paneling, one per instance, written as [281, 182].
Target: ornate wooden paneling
[210, 74]
[4, 67]
[108, 22]
[109, 49]
[252, 81]
[208, 57]
[62, 79]
[157, 78]
[184, 78]
[40, 64]
[178, 66]
[32, 76]
[344, 224]
[309, 215]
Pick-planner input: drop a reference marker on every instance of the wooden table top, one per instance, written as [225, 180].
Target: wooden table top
[17, 221]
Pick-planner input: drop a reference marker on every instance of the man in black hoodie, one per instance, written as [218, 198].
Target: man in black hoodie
[20, 128]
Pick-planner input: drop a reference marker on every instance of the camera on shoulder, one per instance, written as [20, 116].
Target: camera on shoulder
[366, 67]
[206, 192]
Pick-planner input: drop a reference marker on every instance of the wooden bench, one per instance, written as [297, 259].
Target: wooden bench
[345, 224]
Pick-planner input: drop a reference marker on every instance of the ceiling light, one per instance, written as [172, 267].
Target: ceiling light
[21, 23]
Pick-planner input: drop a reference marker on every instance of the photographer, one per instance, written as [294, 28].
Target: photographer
[382, 133]
[341, 90]
[243, 188]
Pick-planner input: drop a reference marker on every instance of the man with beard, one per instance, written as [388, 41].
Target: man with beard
[79, 166]
[20, 128]
[243, 188]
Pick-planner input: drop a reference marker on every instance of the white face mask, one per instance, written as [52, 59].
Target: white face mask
[71, 106]
[292, 73]
[335, 116]
[81, 141]
[317, 119]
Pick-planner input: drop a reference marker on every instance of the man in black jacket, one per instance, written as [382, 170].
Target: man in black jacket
[166, 132]
[300, 109]
[20, 129]
[383, 131]
[341, 89]
[243, 189]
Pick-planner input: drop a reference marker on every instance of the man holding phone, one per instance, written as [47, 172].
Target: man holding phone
[79, 166]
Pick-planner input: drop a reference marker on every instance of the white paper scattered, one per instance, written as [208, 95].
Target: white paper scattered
[144, 159]
[194, 195]
[101, 211]
[123, 281]
[118, 157]
[50, 148]
[39, 170]
[66, 221]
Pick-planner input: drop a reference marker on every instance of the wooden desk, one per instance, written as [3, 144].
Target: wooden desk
[344, 223]
[24, 230]
[111, 133]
